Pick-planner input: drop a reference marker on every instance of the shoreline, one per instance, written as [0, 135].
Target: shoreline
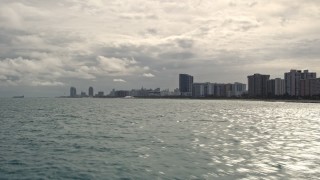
[191, 98]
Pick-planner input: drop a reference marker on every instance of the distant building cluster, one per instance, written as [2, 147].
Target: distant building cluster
[73, 93]
[296, 83]
[143, 92]
[188, 88]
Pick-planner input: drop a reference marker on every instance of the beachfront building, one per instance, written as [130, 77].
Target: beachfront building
[90, 93]
[238, 89]
[276, 87]
[257, 85]
[209, 89]
[310, 87]
[73, 92]
[185, 84]
[218, 89]
[100, 94]
[203, 89]
[293, 80]
[228, 88]
[198, 90]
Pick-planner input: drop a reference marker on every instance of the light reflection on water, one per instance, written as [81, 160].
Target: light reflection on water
[147, 139]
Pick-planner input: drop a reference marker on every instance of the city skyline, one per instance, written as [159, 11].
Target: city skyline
[295, 83]
[48, 46]
[270, 84]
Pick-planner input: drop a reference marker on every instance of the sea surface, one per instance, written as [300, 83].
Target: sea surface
[56, 138]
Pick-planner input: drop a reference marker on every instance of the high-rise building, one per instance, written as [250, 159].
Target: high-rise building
[73, 92]
[308, 75]
[276, 87]
[100, 94]
[122, 93]
[198, 90]
[203, 89]
[83, 94]
[238, 89]
[228, 89]
[219, 90]
[293, 80]
[185, 84]
[315, 87]
[257, 85]
[310, 87]
[305, 87]
[210, 89]
[91, 91]
[279, 86]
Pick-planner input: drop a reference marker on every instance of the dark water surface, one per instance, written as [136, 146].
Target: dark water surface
[158, 139]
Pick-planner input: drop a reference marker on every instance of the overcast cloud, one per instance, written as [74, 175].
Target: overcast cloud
[47, 46]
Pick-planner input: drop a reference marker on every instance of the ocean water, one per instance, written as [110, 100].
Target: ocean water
[53, 138]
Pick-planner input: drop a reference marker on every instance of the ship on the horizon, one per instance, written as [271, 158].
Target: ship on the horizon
[18, 96]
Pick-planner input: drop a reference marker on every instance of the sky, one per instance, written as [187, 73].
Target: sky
[48, 46]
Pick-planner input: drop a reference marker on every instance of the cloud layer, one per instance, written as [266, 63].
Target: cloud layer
[46, 44]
